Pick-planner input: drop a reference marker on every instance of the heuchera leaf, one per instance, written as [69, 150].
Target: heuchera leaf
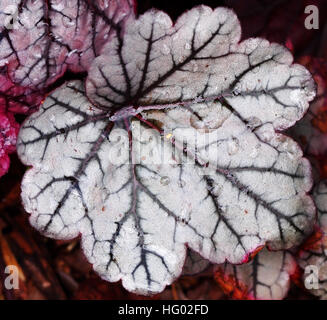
[266, 277]
[8, 135]
[17, 99]
[314, 250]
[311, 131]
[179, 148]
[41, 39]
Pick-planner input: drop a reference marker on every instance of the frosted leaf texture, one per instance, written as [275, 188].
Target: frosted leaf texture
[177, 147]
[40, 40]
[266, 277]
[17, 99]
[313, 256]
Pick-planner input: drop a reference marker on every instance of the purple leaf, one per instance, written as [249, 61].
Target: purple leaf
[45, 38]
[17, 99]
[8, 134]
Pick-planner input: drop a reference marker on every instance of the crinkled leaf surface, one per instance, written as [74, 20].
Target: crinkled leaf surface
[320, 197]
[311, 131]
[200, 58]
[41, 39]
[266, 277]
[17, 99]
[314, 251]
[315, 257]
[8, 135]
[198, 163]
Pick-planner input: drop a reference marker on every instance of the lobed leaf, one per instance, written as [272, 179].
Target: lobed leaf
[311, 134]
[17, 99]
[180, 148]
[199, 59]
[266, 277]
[43, 39]
[312, 257]
[8, 134]
[311, 131]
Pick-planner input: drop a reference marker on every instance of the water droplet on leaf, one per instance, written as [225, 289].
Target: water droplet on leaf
[67, 22]
[165, 49]
[233, 146]
[37, 51]
[194, 66]
[165, 181]
[187, 46]
[253, 122]
[52, 118]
